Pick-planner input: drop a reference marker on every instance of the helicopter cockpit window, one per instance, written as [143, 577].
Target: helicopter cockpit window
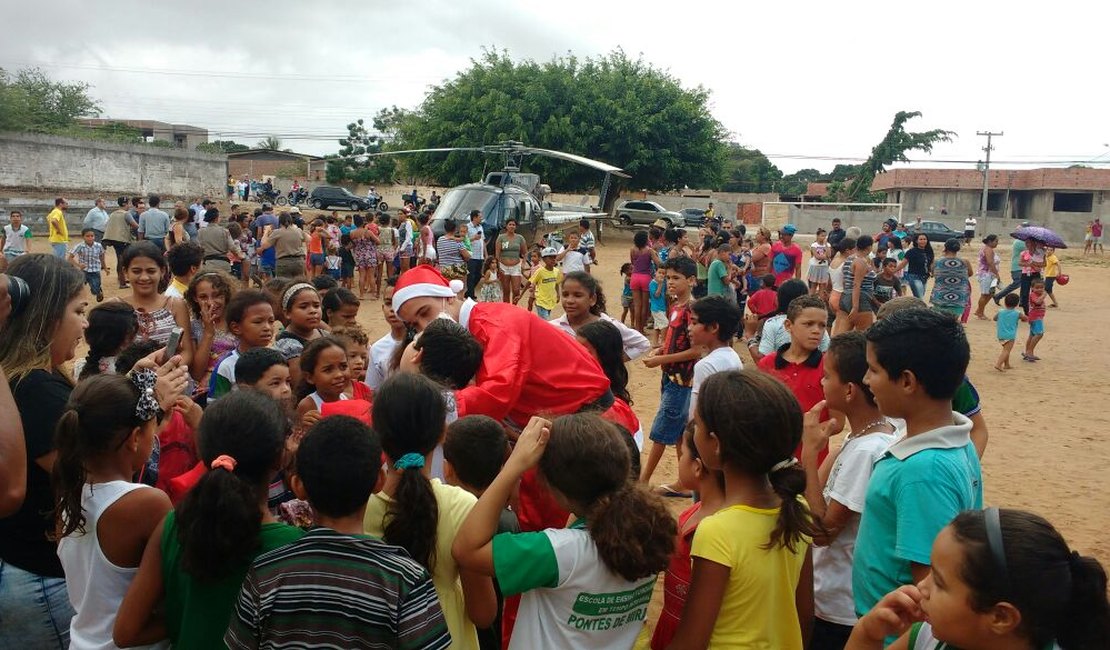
[510, 209]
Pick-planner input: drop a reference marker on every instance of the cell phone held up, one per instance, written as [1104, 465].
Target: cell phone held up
[173, 344]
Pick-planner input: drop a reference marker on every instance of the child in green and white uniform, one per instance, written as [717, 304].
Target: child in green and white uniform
[587, 586]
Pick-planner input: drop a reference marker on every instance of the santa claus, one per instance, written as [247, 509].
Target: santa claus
[528, 367]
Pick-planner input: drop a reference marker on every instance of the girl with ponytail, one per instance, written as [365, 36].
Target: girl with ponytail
[198, 556]
[112, 327]
[589, 585]
[423, 515]
[752, 583]
[1000, 579]
[104, 520]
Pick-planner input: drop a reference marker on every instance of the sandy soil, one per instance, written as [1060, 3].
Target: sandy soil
[1046, 452]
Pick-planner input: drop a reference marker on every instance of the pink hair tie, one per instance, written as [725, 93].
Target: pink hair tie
[224, 461]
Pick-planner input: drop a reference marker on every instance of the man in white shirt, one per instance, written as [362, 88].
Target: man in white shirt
[477, 259]
[969, 228]
[97, 219]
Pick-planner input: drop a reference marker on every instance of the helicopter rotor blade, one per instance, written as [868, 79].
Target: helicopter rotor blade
[581, 160]
[408, 151]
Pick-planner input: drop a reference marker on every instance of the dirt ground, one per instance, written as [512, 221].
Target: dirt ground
[1046, 419]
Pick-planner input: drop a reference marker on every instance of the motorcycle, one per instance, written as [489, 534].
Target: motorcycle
[376, 202]
[293, 198]
[264, 196]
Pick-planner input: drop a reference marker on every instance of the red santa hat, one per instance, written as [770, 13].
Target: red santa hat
[424, 281]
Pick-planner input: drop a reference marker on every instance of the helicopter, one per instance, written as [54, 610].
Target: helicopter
[512, 194]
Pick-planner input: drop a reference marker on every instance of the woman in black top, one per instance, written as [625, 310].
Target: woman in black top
[918, 265]
[35, 344]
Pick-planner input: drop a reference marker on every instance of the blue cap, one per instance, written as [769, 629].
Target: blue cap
[789, 229]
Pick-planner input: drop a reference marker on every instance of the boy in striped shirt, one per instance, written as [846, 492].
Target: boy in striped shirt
[335, 587]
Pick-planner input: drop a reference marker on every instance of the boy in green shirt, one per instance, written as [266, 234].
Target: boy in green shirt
[719, 275]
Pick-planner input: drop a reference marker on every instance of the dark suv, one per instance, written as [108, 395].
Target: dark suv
[325, 196]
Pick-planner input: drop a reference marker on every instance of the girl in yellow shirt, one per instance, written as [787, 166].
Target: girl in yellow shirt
[752, 583]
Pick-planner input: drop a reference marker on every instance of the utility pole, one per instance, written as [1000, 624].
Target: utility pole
[986, 170]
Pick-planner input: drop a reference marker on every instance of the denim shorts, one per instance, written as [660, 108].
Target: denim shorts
[543, 313]
[1036, 327]
[316, 259]
[34, 610]
[670, 419]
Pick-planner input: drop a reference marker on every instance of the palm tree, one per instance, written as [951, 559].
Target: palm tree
[272, 142]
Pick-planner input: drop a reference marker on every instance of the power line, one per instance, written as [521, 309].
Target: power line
[211, 73]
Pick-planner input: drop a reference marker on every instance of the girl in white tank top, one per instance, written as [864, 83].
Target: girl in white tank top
[104, 437]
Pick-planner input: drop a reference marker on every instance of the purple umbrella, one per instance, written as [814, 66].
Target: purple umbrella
[1041, 234]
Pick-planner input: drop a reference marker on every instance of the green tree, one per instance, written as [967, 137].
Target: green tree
[612, 108]
[348, 166]
[222, 146]
[748, 170]
[271, 142]
[31, 101]
[891, 149]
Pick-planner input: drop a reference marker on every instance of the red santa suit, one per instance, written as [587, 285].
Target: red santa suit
[528, 368]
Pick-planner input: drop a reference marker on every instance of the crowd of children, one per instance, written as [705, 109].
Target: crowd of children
[472, 478]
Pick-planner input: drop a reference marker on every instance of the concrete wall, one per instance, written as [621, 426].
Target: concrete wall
[1069, 225]
[1034, 206]
[57, 165]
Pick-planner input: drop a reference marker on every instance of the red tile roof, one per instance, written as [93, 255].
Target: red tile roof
[1048, 178]
[817, 189]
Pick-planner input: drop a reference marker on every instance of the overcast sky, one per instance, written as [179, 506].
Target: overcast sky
[802, 81]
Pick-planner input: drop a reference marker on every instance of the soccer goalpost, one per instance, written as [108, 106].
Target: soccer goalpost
[775, 214]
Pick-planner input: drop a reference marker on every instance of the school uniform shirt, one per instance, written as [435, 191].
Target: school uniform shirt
[357, 591]
[723, 359]
[569, 597]
[545, 281]
[15, 241]
[917, 486]
[921, 638]
[804, 380]
[758, 608]
[635, 343]
[380, 353]
[528, 367]
[222, 380]
[575, 261]
[454, 504]
[774, 336]
[832, 564]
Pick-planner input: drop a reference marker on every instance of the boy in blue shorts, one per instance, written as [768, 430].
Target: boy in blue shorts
[676, 358]
[916, 360]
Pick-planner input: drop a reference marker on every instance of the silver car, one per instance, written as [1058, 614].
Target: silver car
[647, 213]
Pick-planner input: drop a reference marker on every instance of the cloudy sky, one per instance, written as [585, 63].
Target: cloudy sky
[808, 83]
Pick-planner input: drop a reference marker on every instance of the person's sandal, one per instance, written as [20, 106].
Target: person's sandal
[666, 490]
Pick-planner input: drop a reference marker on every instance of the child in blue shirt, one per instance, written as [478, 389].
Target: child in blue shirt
[1008, 320]
[916, 360]
[657, 299]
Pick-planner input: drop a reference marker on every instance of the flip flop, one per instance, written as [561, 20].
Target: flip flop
[666, 490]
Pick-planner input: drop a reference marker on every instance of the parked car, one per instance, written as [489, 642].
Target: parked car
[326, 196]
[647, 213]
[693, 216]
[935, 231]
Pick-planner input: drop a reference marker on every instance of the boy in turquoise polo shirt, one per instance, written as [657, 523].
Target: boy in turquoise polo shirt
[916, 359]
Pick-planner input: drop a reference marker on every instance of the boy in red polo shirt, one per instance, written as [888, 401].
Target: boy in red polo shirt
[800, 364]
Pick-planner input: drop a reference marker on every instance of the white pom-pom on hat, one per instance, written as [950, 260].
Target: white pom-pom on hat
[456, 285]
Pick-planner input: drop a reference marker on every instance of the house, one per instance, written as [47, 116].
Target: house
[258, 163]
[1064, 199]
[183, 136]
